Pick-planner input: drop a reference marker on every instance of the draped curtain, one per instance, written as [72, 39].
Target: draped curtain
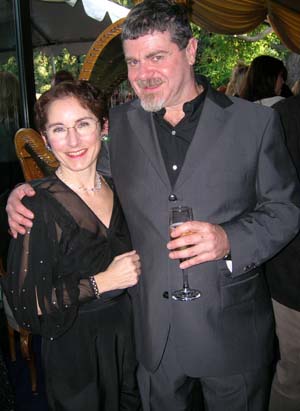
[242, 16]
[225, 16]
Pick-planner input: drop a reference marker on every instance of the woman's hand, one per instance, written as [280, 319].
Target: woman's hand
[123, 272]
[19, 217]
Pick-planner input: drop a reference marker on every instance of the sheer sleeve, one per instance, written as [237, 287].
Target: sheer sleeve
[35, 275]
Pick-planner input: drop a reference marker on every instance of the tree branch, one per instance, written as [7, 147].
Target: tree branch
[258, 37]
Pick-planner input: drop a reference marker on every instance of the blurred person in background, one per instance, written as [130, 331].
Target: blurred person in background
[265, 78]
[284, 282]
[296, 88]
[237, 80]
[10, 169]
[286, 91]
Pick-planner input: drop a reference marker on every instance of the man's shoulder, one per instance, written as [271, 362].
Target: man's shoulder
[240, 107]
[121, 108]
[217, 97]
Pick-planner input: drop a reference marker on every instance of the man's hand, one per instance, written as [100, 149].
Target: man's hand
[199, 242]
[19, 217]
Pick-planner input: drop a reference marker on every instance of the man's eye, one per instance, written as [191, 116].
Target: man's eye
[157, 58]
[132, 63]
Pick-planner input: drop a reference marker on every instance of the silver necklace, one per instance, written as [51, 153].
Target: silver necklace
[97, 186]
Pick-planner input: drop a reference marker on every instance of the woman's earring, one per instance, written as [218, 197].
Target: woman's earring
[104, 130]
[48, 147]
[104, 137]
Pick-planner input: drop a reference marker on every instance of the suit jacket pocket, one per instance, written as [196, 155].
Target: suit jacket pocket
[241, 291]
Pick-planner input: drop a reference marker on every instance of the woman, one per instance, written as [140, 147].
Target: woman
[265, 78]
[68, 274]
[296, 88]
[237, 79]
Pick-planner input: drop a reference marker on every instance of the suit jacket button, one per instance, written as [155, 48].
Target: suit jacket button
[172, 197]
[165, 294]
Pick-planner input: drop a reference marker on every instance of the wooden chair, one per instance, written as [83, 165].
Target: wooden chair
[36, 161]
[25, 339]
[104, 65]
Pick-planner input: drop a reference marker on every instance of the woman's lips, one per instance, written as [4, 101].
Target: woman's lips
[78, 153]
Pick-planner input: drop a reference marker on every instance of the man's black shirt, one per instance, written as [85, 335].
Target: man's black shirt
[175, 140]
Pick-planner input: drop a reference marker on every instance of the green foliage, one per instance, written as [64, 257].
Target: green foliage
[125, 3]
[10, 65]
[45, 67]
[218, 54]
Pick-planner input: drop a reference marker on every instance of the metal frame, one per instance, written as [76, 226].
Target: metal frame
[24, 53]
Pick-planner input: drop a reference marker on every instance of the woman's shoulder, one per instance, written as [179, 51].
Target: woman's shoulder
[43, 191]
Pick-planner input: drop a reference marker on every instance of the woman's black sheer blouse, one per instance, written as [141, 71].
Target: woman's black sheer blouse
[54, 260]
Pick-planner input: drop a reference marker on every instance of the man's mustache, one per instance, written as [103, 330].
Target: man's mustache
[151, 82]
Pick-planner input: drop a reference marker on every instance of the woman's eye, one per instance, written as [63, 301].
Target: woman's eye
[83, 124]
[58, 129]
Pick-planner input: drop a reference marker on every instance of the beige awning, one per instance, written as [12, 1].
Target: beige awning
[242, 16]
[229, 16]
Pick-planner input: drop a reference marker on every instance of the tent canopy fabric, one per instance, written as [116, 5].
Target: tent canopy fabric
[230, 16]
[243, 16]
[54, 26]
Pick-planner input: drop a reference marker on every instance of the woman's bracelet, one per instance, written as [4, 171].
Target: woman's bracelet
[94, 286]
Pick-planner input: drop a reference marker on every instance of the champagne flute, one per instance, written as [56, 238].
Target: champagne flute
[179, 215]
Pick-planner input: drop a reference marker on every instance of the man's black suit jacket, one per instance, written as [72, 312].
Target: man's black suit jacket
[231, 176]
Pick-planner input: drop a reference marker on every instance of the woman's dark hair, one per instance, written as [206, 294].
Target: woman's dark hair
[286, 91]
[158, 15]
[60, 76]
[87, 95]
[261, 78]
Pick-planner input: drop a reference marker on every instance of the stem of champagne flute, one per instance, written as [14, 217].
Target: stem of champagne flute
[185, 279]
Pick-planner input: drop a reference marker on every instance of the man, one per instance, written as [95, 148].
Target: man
[181, 143]
[283, 273]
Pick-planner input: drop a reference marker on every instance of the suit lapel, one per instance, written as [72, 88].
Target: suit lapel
[208, 131]
[145, 131]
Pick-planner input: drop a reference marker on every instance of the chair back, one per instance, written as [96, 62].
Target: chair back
[104, 65]
[36, 161]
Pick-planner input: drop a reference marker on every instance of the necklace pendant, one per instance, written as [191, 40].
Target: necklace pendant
[97, 186]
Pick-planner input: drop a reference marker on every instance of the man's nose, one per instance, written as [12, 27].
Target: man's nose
[144, 70]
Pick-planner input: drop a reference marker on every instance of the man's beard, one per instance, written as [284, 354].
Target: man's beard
[150, 101]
